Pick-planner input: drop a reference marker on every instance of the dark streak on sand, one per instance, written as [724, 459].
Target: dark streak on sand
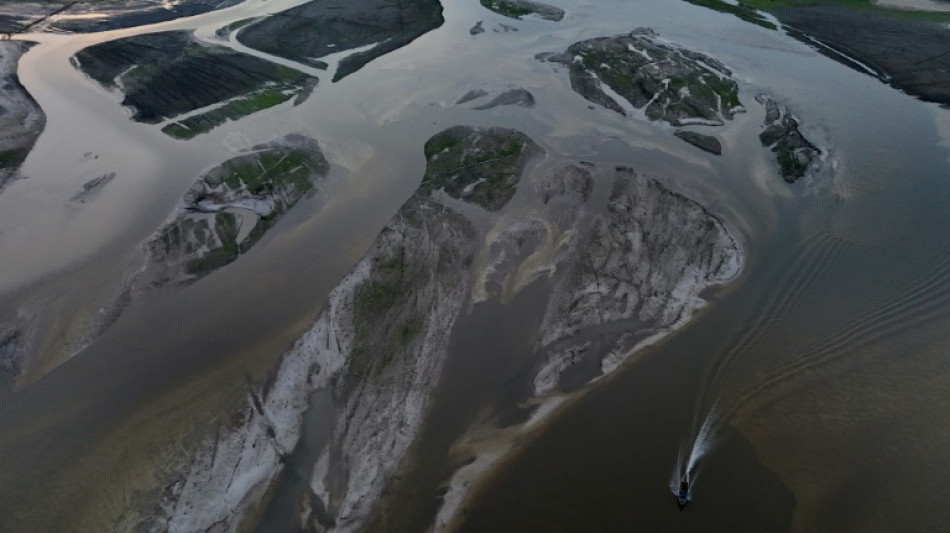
[323, 27]
[912, 55]
[166, 74]
[707, 143]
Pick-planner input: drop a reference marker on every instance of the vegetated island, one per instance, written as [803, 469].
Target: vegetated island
[640, 71]
[170, 75]
[904, 48]
[232, 206]
[517, 9]
[619, 272]
[227, 211]
[321, 27]
[21, 119]
[795, 154]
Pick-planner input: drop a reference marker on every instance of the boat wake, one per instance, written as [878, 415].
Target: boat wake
[689, 458]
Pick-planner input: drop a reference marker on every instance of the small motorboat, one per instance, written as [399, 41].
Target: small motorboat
[683, 494]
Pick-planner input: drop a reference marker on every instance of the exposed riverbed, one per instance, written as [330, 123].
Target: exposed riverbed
[823, 358]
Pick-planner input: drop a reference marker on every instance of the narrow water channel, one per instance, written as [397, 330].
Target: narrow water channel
[825, 359]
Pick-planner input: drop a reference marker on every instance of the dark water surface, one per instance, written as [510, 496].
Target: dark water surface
[826, 362]
[826, 365]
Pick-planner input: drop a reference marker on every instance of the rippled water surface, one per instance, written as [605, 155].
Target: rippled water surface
[825, 363]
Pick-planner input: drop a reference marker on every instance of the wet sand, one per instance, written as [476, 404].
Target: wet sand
[164, 375]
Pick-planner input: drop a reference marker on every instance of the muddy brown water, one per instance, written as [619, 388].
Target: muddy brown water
[824, 363]
[826, 360]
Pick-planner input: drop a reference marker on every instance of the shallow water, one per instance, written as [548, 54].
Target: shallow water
[825, 356]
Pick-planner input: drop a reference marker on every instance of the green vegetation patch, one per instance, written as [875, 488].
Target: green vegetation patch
[13, 158]
[267, 183]
[386, 318]
[286, 173]
[794, 153]
[480, 166]
[168, 74]
[226, 230]
[416, 262]
[233, 110]
[670, 83]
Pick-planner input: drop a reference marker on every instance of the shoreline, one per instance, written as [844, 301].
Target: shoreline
[492, 447]
[493, 456]
[907, 54]
[915, 5]
[21, 120]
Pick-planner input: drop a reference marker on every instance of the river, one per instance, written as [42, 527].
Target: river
[825, 361]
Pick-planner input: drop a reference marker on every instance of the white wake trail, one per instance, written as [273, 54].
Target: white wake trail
[691, 453]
